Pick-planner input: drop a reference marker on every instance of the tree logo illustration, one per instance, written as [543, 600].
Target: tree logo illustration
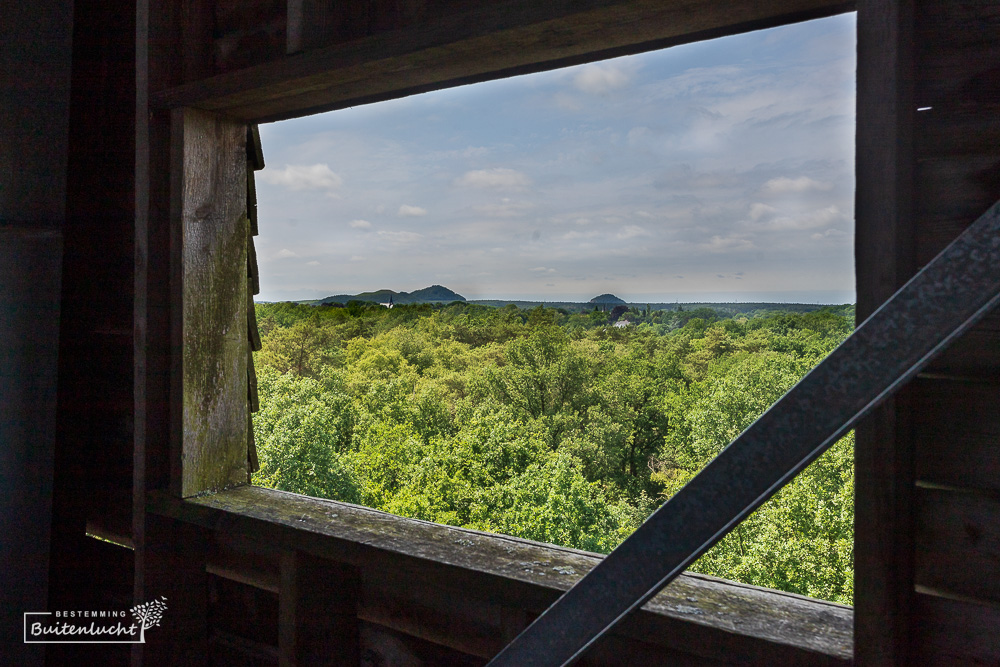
[148, 615]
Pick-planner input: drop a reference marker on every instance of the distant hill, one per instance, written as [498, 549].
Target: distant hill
[607, 298]
[432, 294]
[722, 309]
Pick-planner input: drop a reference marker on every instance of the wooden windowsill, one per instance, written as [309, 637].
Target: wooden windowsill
[697, 614]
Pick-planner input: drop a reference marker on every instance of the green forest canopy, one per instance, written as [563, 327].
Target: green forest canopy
[551, 425]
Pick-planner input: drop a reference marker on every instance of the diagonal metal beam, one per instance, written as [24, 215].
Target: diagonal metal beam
[943, 300]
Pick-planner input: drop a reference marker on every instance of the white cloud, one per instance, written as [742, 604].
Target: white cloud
[361, 224]
[819, 218]
[570, 236]
[303, 177]
[312, 263]
[411, 211]
[829, 234]
[505, 209]
[601, 79]
[567, 102]
[632, 231]
[542, 269]
[285, 253]
[468, 152]
[722, 244]
[498, 177]
[400, 237]
[783, 185]
[758, 211]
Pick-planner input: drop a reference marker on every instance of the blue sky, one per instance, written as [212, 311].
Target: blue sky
[716, 171]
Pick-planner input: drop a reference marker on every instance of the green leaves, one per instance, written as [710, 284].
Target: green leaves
[550, 425]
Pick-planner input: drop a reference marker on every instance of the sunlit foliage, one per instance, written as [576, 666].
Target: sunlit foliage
[550, 425]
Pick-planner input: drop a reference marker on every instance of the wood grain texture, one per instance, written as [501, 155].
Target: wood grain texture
[883, 262]
[958, 24]
[247, 32]
[957, 434]
[954, 191]
[318, 617]
[976, 354]
[957, 81]
[214, 279]
[942, 134]
[175, 557]
[499, 39]
[432, 580]
[245, 614]
[952, 633]
[958, 543]
[384, 646]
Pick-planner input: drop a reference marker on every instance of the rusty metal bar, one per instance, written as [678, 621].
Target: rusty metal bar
[943, 300]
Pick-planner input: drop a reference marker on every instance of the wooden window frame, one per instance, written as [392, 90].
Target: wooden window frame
[697, 614]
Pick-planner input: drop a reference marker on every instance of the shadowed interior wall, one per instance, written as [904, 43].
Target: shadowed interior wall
[35, 46]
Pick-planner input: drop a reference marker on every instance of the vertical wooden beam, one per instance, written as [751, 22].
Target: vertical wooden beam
[884, 261]
[175, 569]
[157, 65]
[197, 24]
[318, 623]
[211, 329]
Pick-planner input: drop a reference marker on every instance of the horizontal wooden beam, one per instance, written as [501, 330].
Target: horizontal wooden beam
[493, 578]
[498, 40]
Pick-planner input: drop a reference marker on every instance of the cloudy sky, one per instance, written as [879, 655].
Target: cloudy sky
[716, 171]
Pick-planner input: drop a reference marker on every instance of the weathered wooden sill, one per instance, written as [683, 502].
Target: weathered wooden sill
[473, 591]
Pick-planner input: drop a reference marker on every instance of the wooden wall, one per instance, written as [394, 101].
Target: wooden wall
[928, 464]
[955, 408]
[267, 577]
[35, 64]
[927, 542]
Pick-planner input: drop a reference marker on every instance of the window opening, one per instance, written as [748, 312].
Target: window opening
[537, 306]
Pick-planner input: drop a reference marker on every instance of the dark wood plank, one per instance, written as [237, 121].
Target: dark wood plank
[69, 155]
[175, 558]
[243, 612]
[499, 39]
[959, 81]
[975, 354]
[951, 633]
[253, 274]
[253, 331]
[247, 32]
[255, 150]
[956, 431]
[248, 561]
[958, 543]
[318, 616]
[450, 571]
[957, 24]
[252, 202]
[214, 286]
[197, 24]
[228, 650]
[952, 193]
[941, 134]
[252, 384]
[383, 646]
[883, 262]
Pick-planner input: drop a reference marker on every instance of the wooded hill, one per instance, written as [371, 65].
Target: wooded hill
[432, 294]
[550, 425]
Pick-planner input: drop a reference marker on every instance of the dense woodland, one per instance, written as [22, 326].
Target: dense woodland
[550, 425]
